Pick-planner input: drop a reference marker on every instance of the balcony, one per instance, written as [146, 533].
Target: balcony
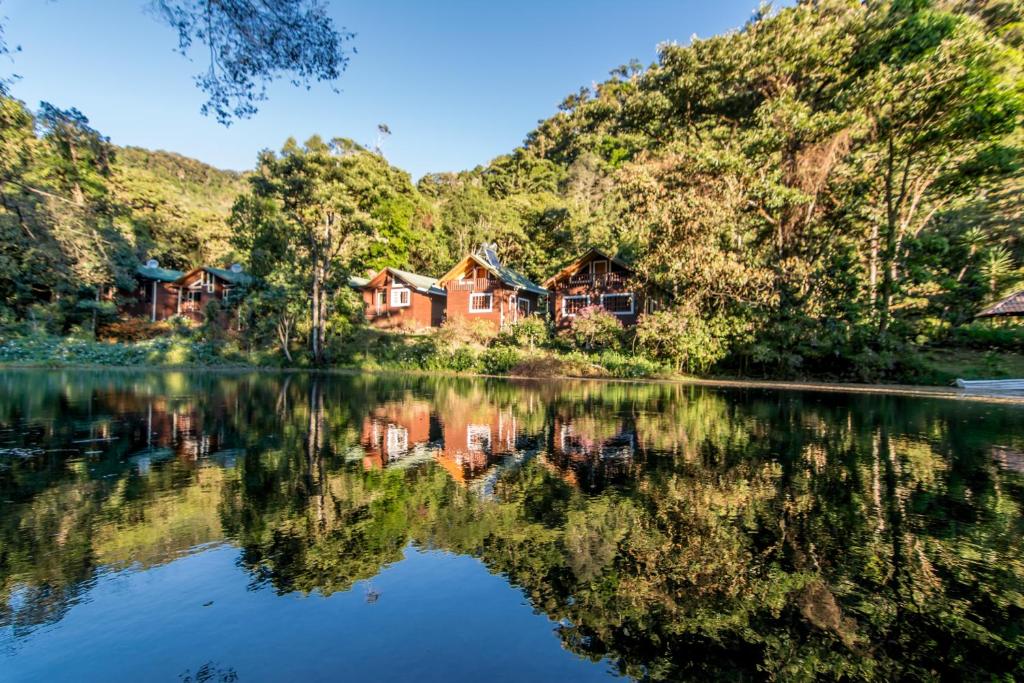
[471, 285]
[604, 281]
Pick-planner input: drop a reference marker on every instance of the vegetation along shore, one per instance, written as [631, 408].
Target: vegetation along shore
[833, 192]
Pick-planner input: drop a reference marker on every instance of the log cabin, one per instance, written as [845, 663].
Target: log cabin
[399, 299]
[164, 293]
[479, 287]
[596, 279]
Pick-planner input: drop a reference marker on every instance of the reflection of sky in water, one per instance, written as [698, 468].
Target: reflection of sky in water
[432, 616]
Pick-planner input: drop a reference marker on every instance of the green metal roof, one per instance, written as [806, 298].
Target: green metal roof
[229, 276]
[162, 274]
[509, 276]
[423, 282]
[357, 282]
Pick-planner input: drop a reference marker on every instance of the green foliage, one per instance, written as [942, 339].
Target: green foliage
[530, 332]
[595, 329]
[683, 338]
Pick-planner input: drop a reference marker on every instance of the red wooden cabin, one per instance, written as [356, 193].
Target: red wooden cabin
[480, 288]
[396, 298]
[596, 279]
[163, 293]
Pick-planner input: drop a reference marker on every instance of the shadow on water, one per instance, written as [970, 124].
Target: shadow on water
[670, 532]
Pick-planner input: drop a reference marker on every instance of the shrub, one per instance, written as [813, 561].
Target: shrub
[980, 335]
[134, 329]
[595, 329]
[528, 333]
[456, 331]
[499, 360]
[681, 337]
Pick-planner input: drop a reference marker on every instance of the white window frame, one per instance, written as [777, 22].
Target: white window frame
[593, 267]
[632, 302]
[575, 297]
[396, 301]
[380, 299]
[490, 302]
[520, 302]
[478, 438]
[397, 440]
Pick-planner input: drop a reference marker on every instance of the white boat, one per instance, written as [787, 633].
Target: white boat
[988, 385]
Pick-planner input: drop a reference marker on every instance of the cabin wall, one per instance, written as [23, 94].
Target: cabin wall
[195, 300]
[583, 283]
[502, 311]
[141, 305]
[424, 310]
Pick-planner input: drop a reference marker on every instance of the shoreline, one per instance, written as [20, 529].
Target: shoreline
[916, 391]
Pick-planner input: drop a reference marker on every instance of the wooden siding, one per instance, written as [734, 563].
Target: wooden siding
[503, 310]
[583, 282]
[424, 310]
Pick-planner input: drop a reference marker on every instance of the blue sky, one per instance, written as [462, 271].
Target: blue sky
[457, 82]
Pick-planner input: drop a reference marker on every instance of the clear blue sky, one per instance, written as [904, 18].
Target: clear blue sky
[457, 82]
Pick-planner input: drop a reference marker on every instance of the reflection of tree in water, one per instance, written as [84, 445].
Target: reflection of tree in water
[741, 535]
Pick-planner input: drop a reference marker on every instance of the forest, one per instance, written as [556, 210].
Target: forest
[832, 190]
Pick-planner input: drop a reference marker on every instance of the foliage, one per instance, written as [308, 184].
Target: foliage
[528, 333]
[681, 337]
[595, 329]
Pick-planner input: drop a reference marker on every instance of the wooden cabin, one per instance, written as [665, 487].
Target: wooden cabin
[595, 279]
[479, 287]
[164, 293]
[156, 296]
[200, 286]
[399, 299]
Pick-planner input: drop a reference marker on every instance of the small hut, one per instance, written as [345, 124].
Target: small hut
[1011, 306]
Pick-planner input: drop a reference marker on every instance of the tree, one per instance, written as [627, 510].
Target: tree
[250, 44]
[325, 201]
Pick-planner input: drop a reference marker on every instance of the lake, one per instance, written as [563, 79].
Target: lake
[257, 526]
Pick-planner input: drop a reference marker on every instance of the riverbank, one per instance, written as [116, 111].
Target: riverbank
[422, 355]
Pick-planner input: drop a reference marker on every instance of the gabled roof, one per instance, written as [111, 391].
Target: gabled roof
[504, 273]
[575, 265]
[161, 274]
[1010, 306]
[229, 276]
[356, 282]
[421, 283]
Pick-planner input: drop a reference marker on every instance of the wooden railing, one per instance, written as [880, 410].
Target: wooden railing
[603, 280]
[471, 284]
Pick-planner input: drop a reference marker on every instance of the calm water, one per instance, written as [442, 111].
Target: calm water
[250, 527]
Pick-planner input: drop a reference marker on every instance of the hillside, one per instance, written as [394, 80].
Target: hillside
[177, 206]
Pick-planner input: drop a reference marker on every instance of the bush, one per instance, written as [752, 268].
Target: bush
[457, 331]
[980, 335]
[681, 337]
[499, 360]
[134, 329]
[595, 329]
[528, 333]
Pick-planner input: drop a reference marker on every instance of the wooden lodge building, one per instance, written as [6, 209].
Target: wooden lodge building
[399, 299]
[479, 287]
[163, 293]
[595, 279]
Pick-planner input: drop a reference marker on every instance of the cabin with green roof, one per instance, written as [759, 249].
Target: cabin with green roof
[164, 293]
[399, 299]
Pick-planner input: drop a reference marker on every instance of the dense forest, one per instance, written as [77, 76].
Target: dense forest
[826, 189]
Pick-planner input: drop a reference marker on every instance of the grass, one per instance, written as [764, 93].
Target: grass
[943, 365]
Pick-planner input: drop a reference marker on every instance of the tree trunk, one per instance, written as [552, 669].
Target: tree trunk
[314, 335]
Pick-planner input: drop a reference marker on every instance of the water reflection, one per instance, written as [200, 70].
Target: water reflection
[674, 532]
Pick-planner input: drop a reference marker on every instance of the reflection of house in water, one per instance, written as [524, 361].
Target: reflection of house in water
[476, 437]
[399, 432]
[1009, 458]
[178, 428]
[592, 453]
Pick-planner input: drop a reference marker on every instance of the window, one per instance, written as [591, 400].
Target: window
[619, 304]
[478, 438]
[225, 293]
[480, 303]
[380, 298]
[571, 305]
[400, 296]
[523, 306]
[397, 440]
[208, 281]
[599, 267]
